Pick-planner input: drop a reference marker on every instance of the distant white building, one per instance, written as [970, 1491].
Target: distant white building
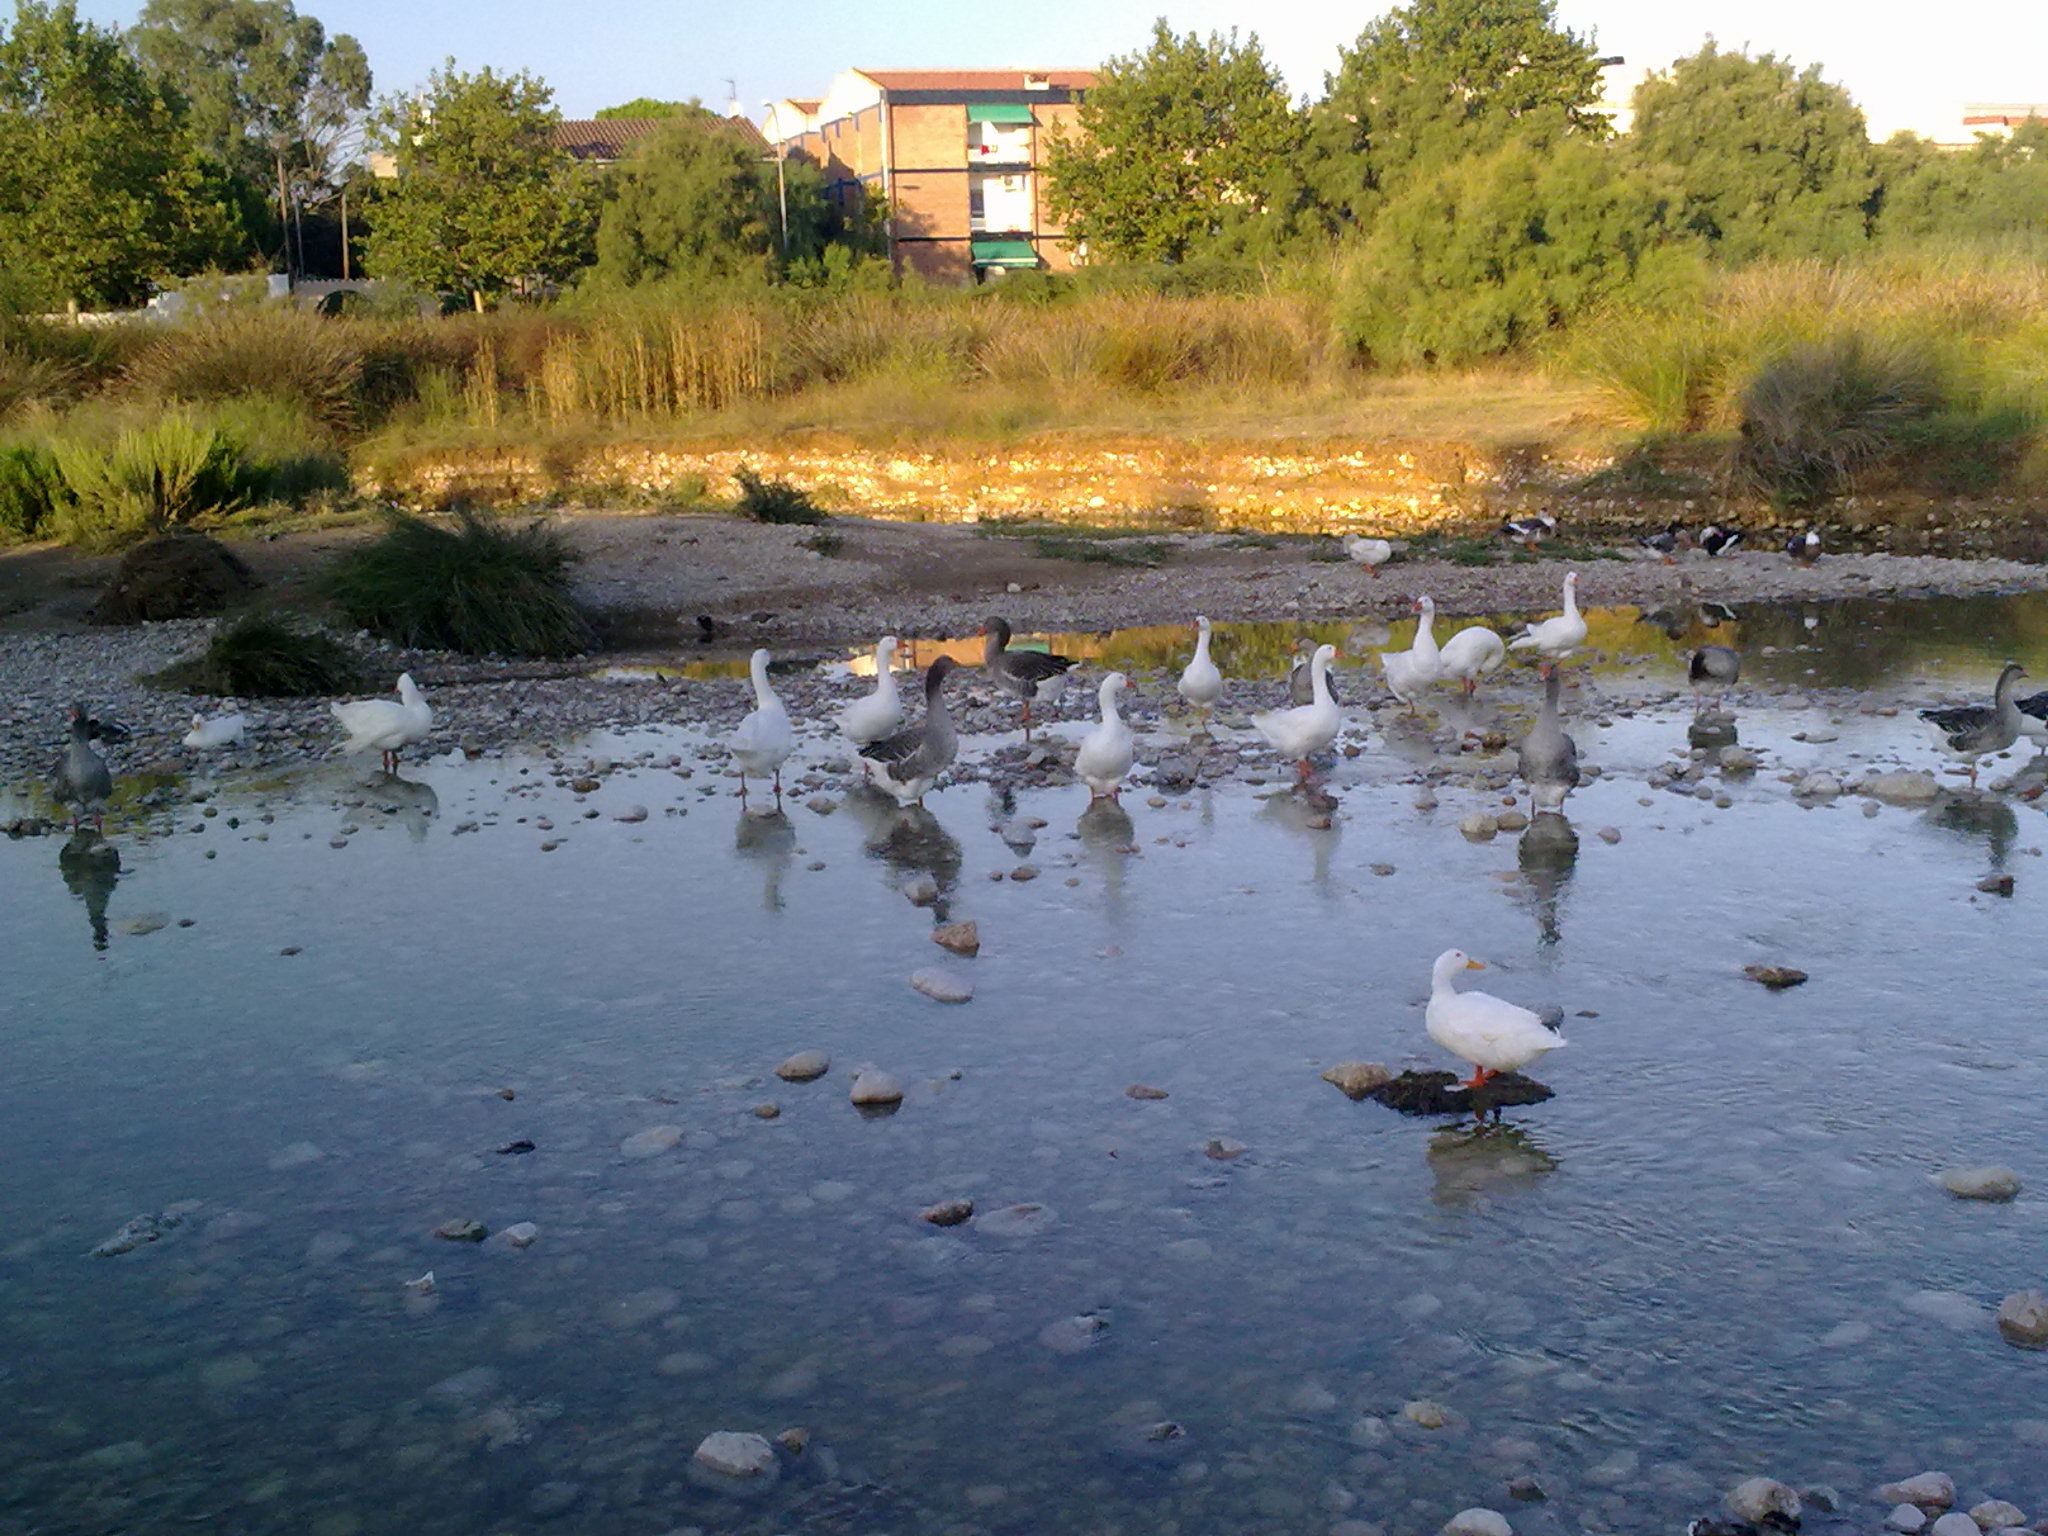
[2000, 118]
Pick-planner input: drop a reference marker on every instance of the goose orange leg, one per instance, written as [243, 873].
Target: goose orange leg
[1479, 1078]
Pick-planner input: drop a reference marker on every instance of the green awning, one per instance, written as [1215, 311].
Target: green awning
[998, 112]
[1004, 253]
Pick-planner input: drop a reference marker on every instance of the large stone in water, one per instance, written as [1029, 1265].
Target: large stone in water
[1901, 788]
[736, 1454]
[1954, 1523]
[942, 986]
[1995, 1184]
[1439, 1093]
[652, 1142]
[1928, 1490]
[1478, 1522]
[1357, 1078]
[2023, 1320]
[1757, 1497]
[873, 1087]
[1997, 1515]
[804, 1066]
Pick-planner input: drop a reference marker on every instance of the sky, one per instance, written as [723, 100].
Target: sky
[1908, 66]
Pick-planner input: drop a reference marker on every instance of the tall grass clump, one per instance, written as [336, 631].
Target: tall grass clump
[636, 361]
[30, 486]
[1657, 372]
[477, 587]
[773, 501]
[1821, 413]
[269, 353]
[169, 474]
[260, 656]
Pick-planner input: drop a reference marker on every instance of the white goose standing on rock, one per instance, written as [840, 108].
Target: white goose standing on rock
[1493, 1034]
[1201, 680]
[385, 724]
[1307, 729]
[1106, 752]
[762, 742]
[1556, 638]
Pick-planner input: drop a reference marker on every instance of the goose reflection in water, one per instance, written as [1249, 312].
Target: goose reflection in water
[770, 842]
[1108, 833]
[1470, 1159]
[91, 867]
[1308, 811]
[1974, 817]
[408, 802]
[909, 841]
[1548, 853]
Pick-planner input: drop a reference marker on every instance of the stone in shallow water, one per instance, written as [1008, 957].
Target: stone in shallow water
[2023, 1321]
[1357, 1078]
[804, 1066]
[948, 1213]
[961, 938]
[736, 1454]
[521, 1234]
[1757, 1497]
[1981, 1183]
[652, 1142]
[1026, 1220]
[1955, 1523]
[1907, 1518]
[1071, 1335]
[942, 986]
[1775, 977]
[873, 1087]
[462, 1229]
[1144, 1091]
[1425, 1413]
[1901, 788]
[1478, 1522]
[1929, 1490]
[1439, 1093]
[1997, 1515]
[1953, 1308]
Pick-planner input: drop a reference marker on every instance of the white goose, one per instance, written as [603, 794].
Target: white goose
[1409, 672]
[1493, 1034]
[1305, 730]
[1370, 553]
[1556, 638]
[868, 720]
[220, 731]
[1106, 752]
[383, 724]
[1201, 681]
[1470, 654]
[762, 742]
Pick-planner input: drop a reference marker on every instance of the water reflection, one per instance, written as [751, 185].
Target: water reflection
[1712, 728]
[1548, 853]
[408, 802]
[770, 843]
[909, 841]
[1486, 1158]
[1309, 811]
[91, 867]
[1979, 816]
[1109, 835]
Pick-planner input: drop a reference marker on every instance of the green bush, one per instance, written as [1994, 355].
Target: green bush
[270, 353]
[29, 489]
[263, 657]
[477, 587]
[774, 501]
[1816, 415]
[149, 480]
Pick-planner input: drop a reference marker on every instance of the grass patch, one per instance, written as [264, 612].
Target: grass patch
[150, 480]
[773, 501]
[824, 543]
[30, 486]
[478, 588]
[1822, 412]
[260, 656]
[1125, 551]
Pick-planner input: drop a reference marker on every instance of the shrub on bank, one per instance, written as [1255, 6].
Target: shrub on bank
[269, 353]
[478, 587]
[774, 501]
[29, 487]
[260, 656]
[149, 480]
[1820, 413]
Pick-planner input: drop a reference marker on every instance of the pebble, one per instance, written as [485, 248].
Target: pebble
[652, 1142]
[1026, 1220]
[1478, 1522]
[769, 1110]
[922, 891]
[630, 813]
[2023, 1320]
[1425, 1413]
[520, 1234]
[1144, 1091]
[736, 1454]
[1609, 834]
[1357, 1078]
[1071, 1335]
[804, 1066]
[942, 986]
[1997, 1515]
[1223, 1149]
[1907, 1518]
[1954, 1523]
[874, 1087]
[1900, 788]
[1775, 977]
[143, 922]
[961, 938]
[1929, 1490]
[1818, 786]
[1994, 1184]
[1757, 1497]
[1511, 821]
[948, 1213]
[1478, 825]
[1527, 1490]
[462, 1229]
[1738, 760]
[1996, 885]
[1024, 872]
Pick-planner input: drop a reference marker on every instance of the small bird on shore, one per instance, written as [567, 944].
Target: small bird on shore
[1529, 531]
[1717, 540]
[762, 742]
[1972, 731]
[1034, 677]
[1804, 546]
[1370, 553]
[1668, 542]
[1494, 1035]
[82, 779]
[909, 762]
[1201, 680]
[384, 724]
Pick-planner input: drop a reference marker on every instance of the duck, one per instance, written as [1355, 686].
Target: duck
[1970, 731]
[1201, 681]
[220, 731]
[1668, 542]
[1556, 638]
[1301, 680]
[1370, 553]
[1306, 729]
[1717, 541]
[1529, 531]
[909, 762]
[1469, 655]
[1409, 672]
[1548, 758]
[872, 718]
[1719, 665]
[1494, 1035]
[82, 779]
[1034, 677]
[383, 724]
[1105, 755]
[762, 742]
[1804, 546]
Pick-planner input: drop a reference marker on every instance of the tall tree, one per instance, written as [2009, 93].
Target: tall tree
[1436, 80]
[101, 188]
[1763, 159]
[688, 202]
[1998, 187]
[483, 198]
[646, 107]
[270, 92]
[1184, 150]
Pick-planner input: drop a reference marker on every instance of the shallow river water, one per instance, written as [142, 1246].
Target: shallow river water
[1717, 1252]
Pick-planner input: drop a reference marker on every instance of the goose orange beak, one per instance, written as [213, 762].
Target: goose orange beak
[1475, 965]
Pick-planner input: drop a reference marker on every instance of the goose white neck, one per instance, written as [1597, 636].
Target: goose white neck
[1201, 639]
[1111, 686]
[758, 667]
[1571, 595]
[1425, 628]
[1448, 964]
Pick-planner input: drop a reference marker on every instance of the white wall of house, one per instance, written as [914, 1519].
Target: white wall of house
[999, 202]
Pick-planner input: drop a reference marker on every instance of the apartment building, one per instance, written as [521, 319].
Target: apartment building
[957, 156]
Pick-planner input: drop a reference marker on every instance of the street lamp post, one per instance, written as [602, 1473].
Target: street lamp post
[781, 190]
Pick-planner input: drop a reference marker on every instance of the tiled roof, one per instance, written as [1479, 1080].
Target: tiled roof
[605, 139]
[977, 79]
[807, 104]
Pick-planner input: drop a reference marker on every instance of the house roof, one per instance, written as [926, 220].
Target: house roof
[605, 139]
[979, 79]
[805, 104]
